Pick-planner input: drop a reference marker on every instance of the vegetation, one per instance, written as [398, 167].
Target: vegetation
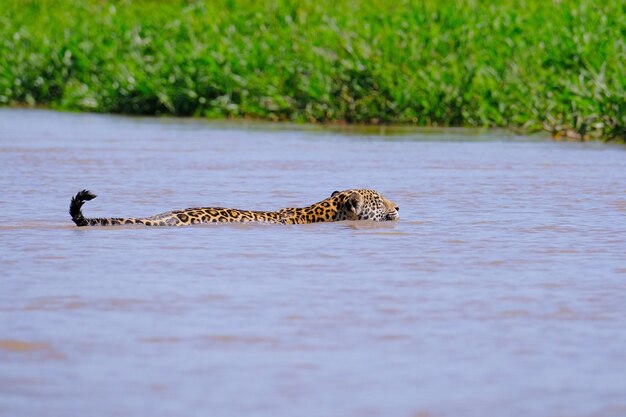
[557, 65]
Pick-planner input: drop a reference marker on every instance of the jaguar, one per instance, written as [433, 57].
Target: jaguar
[355, 204]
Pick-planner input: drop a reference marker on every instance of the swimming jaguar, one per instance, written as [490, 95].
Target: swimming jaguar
[341, 205]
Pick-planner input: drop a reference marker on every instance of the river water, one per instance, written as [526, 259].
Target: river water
[500, 292]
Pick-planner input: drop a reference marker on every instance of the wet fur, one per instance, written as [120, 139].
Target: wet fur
[341, 205]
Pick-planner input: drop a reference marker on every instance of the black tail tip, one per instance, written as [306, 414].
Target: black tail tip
[75, 205]
[84, 195]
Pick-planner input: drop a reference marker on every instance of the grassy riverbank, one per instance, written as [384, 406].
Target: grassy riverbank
[555, 65]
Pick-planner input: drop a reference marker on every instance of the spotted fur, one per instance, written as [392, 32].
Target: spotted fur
[341, 205]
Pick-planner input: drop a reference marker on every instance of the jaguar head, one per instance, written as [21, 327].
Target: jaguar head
[364, 205]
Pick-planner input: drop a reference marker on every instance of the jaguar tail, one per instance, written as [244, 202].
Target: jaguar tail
[76, 205]
[77, 215]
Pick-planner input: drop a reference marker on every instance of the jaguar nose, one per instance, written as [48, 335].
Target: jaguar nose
[397, 208]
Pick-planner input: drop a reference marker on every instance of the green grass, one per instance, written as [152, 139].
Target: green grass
[529, 65]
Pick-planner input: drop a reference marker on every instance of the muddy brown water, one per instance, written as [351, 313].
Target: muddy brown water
[499, 292]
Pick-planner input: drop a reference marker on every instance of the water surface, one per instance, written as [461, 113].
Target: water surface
[499, 292]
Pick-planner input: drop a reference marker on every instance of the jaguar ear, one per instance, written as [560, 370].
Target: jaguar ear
[334, 193]
[354, 203]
